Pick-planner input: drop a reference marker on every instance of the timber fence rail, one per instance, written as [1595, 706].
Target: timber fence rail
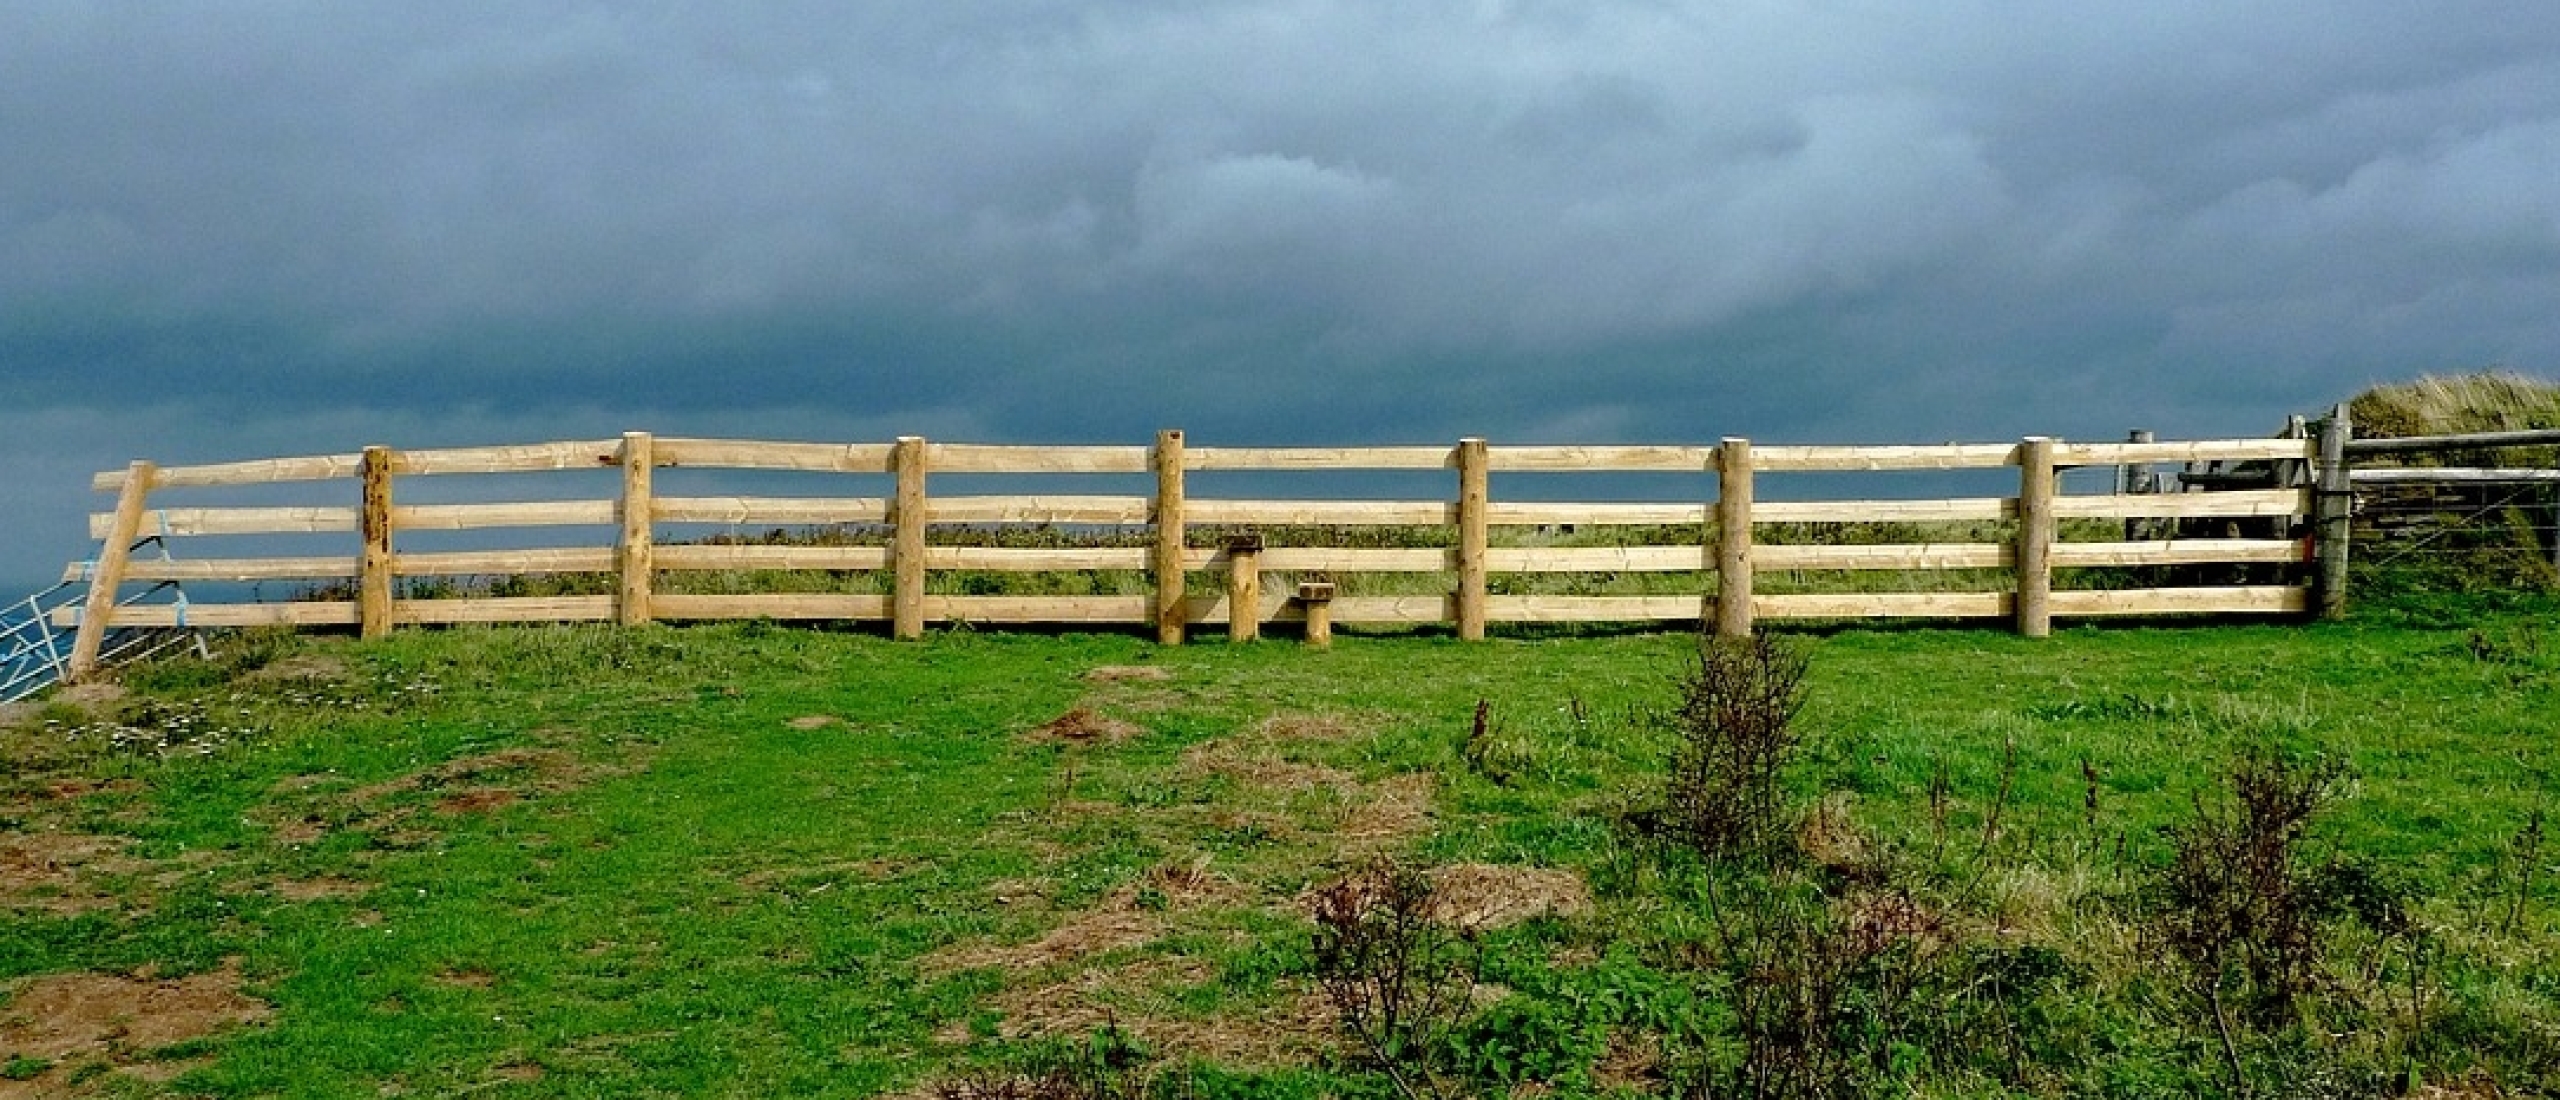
[1698, 536]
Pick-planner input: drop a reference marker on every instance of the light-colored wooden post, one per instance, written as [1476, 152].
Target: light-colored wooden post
[635, 556]
[906, 554]
[107, 577]
[1244, 588]
[1733, 538]
[1170, 614]
[2035, 536]
[1317, 598]
[1474, 483]
[374, 569]
[2333, 513]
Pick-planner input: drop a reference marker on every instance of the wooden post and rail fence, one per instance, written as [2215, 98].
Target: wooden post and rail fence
[1700, 541]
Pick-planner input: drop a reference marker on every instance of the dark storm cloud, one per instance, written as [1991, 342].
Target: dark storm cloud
[293, 226]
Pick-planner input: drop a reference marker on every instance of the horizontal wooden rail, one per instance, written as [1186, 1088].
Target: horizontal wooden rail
[770, 511]
[1479, 548]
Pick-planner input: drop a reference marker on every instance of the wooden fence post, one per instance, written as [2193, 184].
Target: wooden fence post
[2333, 513]
[1474, 486]
[2131, 479]
[374, 569]
[906, 555]
[1244, 588]
[2035, 536]
[1170, 613]
[107, 577]
[1733, 538]
[636, 556]
[1317, 598]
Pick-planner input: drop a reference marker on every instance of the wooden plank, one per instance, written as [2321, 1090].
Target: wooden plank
[229, 569]
[123, 526]
[1172, 518]
[524, 458]
[1885, 605]
[505, 609]
[1877, 512]
[1636, 459]
[513, 459]
[906, 550]
[978, 458]
[530, 513]
[2079, 555]
[1044, 559]
[1114, 510]
[2277, 599]
[2034, 569]
[233, 521]
[842, 458]
[2208, 450]
[704, 558]
[1602, 559]
[1904, 556]
[220, 615]
[1319, 458]
[771, 511]
[1344, 559]
[1675, 513]
[474, 563]
[2452, 475]
[1391, 610]
[373, 574]
[781, 607]
[1322, 513]
[2466, 441]
[1473, 490]
[1132, 610]
[634, 566]
[262, 471]
[1593, 609]
[2236, 503]
[1945, 456]
[1734, 605]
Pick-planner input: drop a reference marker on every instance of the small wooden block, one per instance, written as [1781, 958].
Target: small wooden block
[1315, 592]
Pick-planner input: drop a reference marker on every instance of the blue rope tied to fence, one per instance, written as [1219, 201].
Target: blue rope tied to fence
[181, 604]
[88, 569]
[163, 515]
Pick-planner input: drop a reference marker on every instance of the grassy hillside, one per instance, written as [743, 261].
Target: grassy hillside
[753, 861]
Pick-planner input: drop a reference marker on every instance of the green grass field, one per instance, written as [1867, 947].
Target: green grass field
[759, 861]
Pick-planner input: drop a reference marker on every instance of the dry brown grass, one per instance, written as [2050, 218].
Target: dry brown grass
[76, 1021]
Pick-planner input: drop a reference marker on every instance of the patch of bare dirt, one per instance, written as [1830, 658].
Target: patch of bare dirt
[66, 789]
[1084, 725]
[465, 978]
[814, 722]
[477, 800]
[1139, 999]
[305, 812]
[56, 872]
[1488, 895]
[1290, 726]
[77, 1020]
[1130, 916]
[1106, 929]
[1386, 813]
[320, 889]
[1115, 674]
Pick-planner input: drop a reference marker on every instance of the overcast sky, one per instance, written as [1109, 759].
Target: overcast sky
[236, 230]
